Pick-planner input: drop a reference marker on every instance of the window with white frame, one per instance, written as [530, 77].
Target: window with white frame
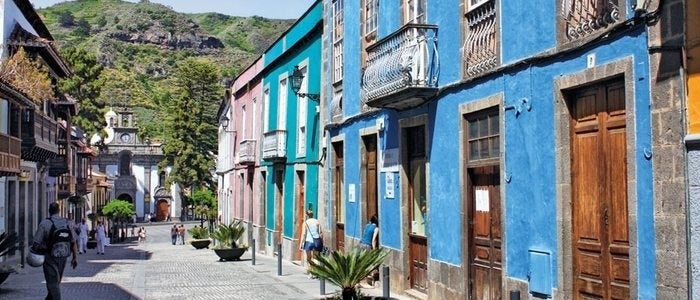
[244, 122]
[472, 4]
[282, 105]
[302, 113]
[337, 40]
[266, 110]
[414, 11]
[369, 17]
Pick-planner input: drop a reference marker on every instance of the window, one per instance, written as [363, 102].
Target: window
[302, 103]
[483, 135]
[369, 17]
[414, 11]
[337, 40]
[475, 3]
[481, 42]
[282, 105]
[266, 110]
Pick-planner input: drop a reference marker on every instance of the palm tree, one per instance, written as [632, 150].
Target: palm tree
[227, 236]
[347, 269]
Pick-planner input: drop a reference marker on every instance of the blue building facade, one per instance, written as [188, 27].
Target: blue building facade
[291, 128]
[503, 146]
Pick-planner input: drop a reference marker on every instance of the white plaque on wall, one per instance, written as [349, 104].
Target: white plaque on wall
[351, 192]
[389, 185]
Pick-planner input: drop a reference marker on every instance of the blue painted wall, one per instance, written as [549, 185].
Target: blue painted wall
[530, 203]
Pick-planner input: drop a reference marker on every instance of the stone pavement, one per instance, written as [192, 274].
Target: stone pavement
[155, 269]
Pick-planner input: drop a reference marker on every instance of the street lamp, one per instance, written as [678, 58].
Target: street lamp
[225, 122]
[297, 78]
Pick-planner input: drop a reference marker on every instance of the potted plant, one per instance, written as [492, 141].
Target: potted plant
[8, 242]
[347, 269]
[200, 237]
[227, 241]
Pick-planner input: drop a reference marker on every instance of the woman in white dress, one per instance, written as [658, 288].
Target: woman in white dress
[101, 237]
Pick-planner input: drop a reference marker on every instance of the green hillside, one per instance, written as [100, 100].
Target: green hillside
[141, 43]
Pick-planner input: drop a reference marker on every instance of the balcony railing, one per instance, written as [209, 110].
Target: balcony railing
[38, 136]
[481, 46]
[246, 152]
[584, 17]
[403, 68]
[275, 145]
[10, 151]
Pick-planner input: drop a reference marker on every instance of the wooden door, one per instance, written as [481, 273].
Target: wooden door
[600, 229]
[485, 265]
[279, 202]
[417, 195]
[339, 205]
[300, 212]
[371, 190]
[163, 210]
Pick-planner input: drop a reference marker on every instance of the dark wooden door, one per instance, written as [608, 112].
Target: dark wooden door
[371, 190]
[417, 195]
[485, 265]
[279, 202]
[600, 229]
[339, 204]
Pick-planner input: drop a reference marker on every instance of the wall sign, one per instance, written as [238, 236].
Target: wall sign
[389, 185]
[351, 192]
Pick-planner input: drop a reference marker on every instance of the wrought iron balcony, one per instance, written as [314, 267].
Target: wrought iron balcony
[275, 145]
[39, 136]
[403, 68]
[481, 46]
[246, 152]
[586, 17]
[65, 186]
[10, 149]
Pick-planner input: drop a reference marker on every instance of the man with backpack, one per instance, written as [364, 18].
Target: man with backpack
[56, 240]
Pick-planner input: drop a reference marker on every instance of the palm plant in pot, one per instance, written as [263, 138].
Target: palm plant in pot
[227, 238]
[347, 269]
[200, 237]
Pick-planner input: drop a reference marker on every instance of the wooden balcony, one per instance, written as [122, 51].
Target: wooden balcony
[275, 145]
[83, 186]
[39, 133]
[246, 152]
[65, 186]
[402, 69]
[10, 149]
[58, 166]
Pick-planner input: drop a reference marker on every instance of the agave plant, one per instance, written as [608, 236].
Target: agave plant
[227, 236]
[199, 233]
[8, 242]
[347, 269]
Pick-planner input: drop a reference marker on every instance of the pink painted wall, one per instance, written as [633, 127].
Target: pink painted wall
[247, 109]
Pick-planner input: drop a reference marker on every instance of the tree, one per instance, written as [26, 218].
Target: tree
[119, 211]
[85, 85]
[191, 137]
[205, 204]
[27, 75]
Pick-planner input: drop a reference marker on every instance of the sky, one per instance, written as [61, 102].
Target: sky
[273, 9]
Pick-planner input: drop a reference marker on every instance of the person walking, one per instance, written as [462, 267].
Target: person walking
[142, 234]
[312, 242]
[370, 235]
[82, 236]
[174, 233]
[56, 239]
[101, 237]
[182, 233]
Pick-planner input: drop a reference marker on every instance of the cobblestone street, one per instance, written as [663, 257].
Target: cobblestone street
[156, 269]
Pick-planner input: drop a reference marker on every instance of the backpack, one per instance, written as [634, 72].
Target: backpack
[59, 241]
